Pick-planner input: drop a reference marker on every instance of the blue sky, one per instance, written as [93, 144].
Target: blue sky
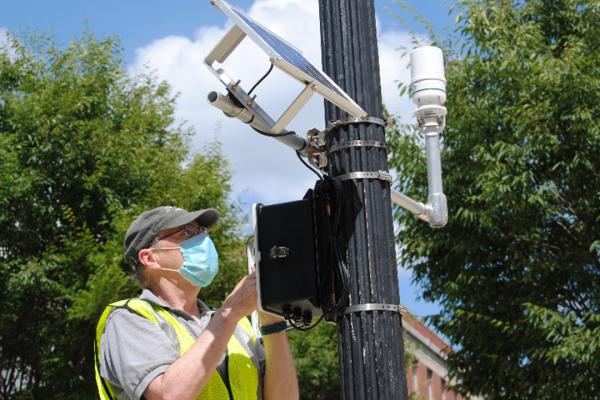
[171, 39]
[139, 22]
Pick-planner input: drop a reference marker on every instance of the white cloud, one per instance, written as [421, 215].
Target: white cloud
[264, 169]
[7, 44]
[394, 69]
[4, 44]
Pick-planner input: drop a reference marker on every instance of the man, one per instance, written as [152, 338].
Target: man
[168, 344]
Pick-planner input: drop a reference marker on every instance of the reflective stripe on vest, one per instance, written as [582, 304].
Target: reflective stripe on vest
[243, 373]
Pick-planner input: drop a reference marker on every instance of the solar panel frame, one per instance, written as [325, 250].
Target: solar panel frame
[292, 61]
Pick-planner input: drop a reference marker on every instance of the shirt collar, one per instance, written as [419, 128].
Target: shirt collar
[151, 297]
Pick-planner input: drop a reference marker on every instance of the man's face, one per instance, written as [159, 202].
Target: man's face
[164, 246]
[179, 234]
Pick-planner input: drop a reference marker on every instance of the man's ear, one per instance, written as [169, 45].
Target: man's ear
[148, 258]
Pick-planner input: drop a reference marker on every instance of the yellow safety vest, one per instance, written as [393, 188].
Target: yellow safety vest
[243, 374]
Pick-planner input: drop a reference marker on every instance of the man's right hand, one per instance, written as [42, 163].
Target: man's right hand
[242, 300]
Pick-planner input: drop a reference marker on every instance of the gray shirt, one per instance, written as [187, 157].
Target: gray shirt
[134, 351]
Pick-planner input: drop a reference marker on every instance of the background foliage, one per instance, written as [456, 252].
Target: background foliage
[83, 149]
[517, 269]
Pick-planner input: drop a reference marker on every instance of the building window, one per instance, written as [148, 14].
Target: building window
[429, 384]
[414, 379]
[443, 388]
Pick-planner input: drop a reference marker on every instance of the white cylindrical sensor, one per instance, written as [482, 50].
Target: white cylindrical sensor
[428, 83]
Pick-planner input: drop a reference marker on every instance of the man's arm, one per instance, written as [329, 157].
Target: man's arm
[281, 382]
[189, 374]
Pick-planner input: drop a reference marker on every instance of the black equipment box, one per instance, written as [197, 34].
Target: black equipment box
[286, 259]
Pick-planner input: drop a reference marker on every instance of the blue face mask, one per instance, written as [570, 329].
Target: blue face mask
[200, 260]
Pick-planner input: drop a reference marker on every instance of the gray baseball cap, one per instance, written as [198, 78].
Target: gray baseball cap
[149, 223]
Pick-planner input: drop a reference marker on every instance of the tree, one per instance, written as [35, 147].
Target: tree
[517, 268]
[83, 149]
[316, 358]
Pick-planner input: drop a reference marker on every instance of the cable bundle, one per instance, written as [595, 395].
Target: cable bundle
[333, 271]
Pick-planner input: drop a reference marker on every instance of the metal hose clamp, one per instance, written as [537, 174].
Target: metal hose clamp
[376, 307]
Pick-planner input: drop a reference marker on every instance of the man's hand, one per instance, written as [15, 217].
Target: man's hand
[242, 300]
[189, 374]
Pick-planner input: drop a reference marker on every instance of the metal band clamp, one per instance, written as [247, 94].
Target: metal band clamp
[350, 121]
[381, 175]
[375, 307]
[357, 143]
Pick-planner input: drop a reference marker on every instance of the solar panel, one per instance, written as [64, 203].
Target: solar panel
[291, 60]
[289, 54]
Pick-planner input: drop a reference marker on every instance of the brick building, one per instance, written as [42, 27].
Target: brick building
[427, 377]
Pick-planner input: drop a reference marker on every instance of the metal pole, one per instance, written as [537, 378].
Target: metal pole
[371, 342]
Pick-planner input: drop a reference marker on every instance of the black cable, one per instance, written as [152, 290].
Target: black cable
[239, 104]
[308, 166]
[273, 134]
[261, 79]
[297, 152]
[334, 275]
[304, 328]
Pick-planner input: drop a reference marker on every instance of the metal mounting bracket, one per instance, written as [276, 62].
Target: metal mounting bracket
[316, 154]
[318, 141]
